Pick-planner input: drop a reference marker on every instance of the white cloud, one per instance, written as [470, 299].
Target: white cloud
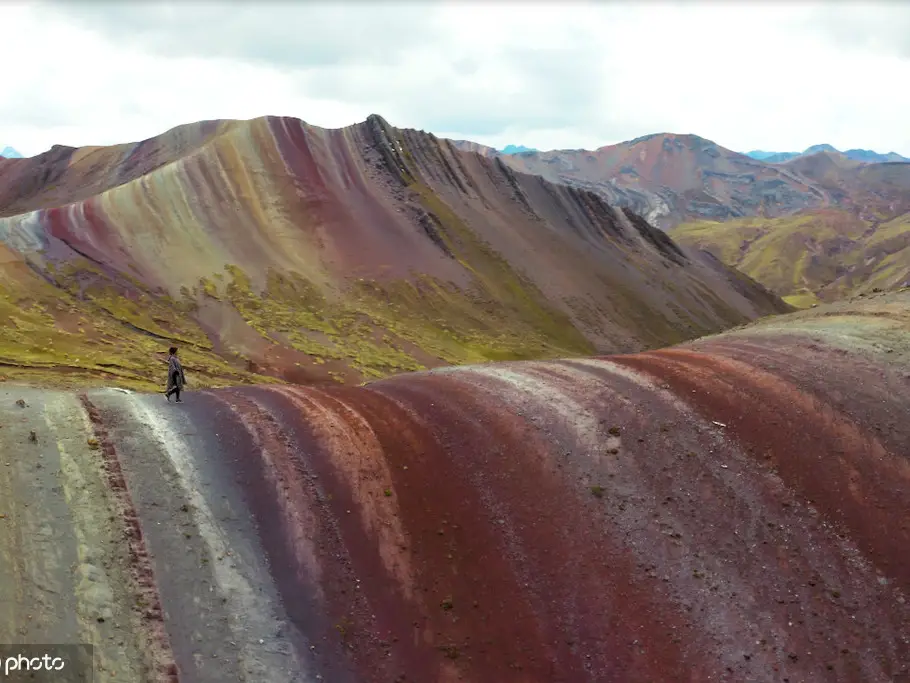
[771, 76]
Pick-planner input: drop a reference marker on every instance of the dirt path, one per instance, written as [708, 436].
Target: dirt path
[225, 621]
[70, 567]
[63, 565]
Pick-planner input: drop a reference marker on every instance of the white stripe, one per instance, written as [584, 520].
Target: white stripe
[252, 613]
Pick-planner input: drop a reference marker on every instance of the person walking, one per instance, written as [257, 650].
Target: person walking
[175, 378]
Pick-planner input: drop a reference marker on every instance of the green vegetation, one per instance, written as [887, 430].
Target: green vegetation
[503, 295]
[809, 257]
[383, 327]
[802, 300]
[293, 312]
[88, 330]
[377, 328]
[82, 327]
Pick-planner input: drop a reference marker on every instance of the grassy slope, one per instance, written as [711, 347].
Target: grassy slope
[75, 327]
[821, 255]
[90, 328]
[874, 323]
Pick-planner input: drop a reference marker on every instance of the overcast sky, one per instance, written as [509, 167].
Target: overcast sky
[774, 76]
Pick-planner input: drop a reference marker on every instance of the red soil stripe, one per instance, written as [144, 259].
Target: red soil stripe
[735, 520]
[160, 659]
[871, 390]
[553, 593]
[365, 620]
[830, 460]
[515, 573]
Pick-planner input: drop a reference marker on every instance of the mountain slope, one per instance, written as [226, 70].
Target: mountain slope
[10, 153]
[823, 254]
[876, 191]
[807, 228]
[274, 247]
[734, 509]
[669, 178]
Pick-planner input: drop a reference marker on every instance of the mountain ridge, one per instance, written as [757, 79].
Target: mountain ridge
[316, 525]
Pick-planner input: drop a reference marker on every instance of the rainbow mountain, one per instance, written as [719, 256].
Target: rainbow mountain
[270, 248]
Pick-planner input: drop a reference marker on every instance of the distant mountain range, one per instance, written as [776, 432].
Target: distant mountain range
[10, 153]
[670, 179]
[864, 155]
[517, 149]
